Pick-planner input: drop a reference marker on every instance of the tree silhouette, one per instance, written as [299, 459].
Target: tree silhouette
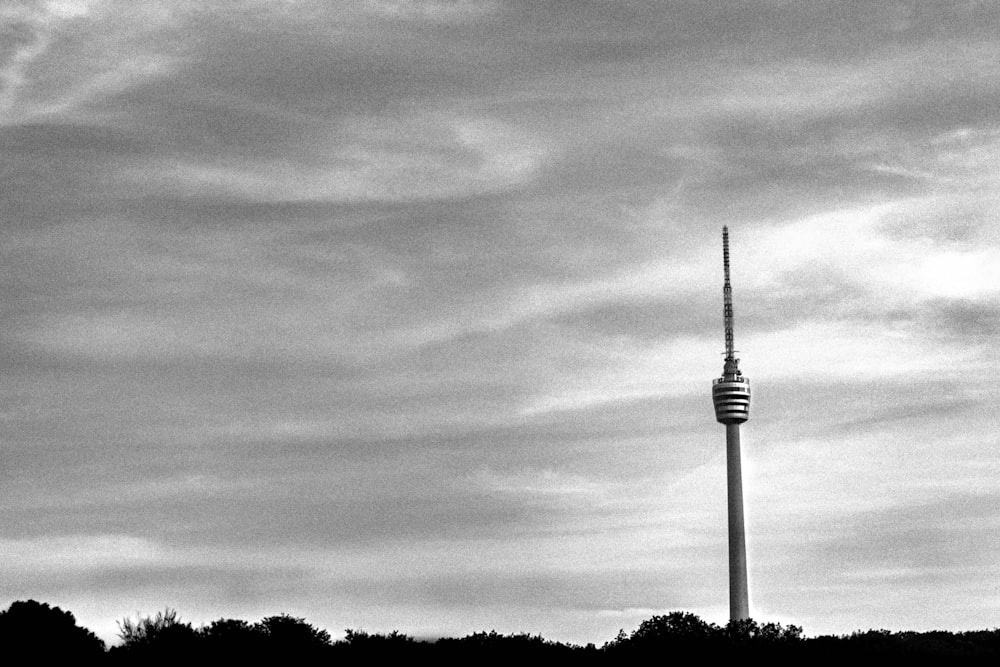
[749, 630]
[229, 629]
[675, 626]
[231, 639]
[148, 629]
[507, 648]
[159, 636]
[47, 633]
[289, 635]
[358, 644]
[683, 632]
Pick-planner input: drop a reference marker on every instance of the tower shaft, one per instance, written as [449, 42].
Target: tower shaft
[739, 598]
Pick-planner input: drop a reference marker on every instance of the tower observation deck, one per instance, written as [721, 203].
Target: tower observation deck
[731, 397]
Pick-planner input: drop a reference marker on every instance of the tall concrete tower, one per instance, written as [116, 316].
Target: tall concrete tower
[731, 396]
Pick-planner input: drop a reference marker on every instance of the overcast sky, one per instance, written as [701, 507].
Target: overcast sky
[404, 315]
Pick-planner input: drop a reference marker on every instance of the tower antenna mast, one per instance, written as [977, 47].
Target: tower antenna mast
[727, 297]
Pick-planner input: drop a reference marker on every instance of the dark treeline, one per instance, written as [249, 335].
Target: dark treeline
[49, 633]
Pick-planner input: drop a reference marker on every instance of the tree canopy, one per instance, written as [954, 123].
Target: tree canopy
[50, 634]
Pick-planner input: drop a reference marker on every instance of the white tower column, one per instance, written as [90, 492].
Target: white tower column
[731, 397]
[739, 599]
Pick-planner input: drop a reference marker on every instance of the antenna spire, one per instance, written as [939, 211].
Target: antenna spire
[732, 363]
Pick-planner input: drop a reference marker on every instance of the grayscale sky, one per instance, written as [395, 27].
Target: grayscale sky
[403, 315]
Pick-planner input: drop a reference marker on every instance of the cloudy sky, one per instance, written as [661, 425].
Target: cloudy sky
[403, 315]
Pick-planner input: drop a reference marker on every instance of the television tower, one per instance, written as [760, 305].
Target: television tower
[731, 396]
